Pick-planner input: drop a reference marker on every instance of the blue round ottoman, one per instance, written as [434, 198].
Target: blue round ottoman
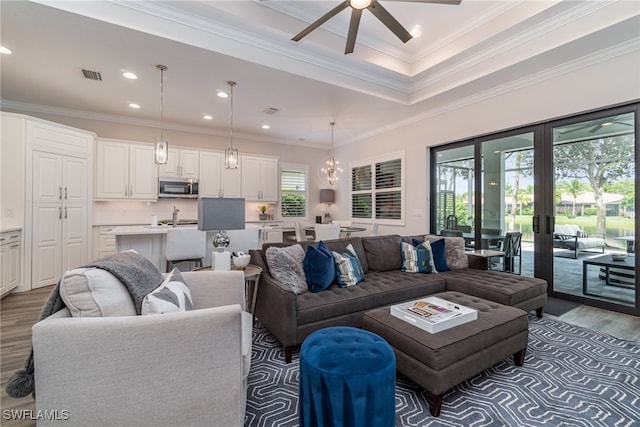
[347, 379]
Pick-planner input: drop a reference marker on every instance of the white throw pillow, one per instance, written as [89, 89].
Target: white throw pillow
[93, 292]
[172, 296]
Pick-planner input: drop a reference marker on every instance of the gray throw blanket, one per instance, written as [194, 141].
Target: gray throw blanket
[137, 274]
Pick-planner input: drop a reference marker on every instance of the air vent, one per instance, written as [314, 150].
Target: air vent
[92, 75]
[270, 110]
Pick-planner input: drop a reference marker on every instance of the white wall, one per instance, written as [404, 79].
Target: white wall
[607, 83]
[603, 84]
[12, 170]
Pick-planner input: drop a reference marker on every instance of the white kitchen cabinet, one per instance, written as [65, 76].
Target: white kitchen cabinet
[259, 178]
[181, 163]
[60, 217]
[215, 180]
[150, 246]
[103, 243]
[125, 171]
[10, 261]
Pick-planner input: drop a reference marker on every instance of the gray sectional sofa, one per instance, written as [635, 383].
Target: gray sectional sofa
[291, 317]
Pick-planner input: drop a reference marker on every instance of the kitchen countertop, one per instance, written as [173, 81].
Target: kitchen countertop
[124, 230]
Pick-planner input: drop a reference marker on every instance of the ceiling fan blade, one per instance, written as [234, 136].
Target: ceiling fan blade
[622, 123]
[353, 30]
[575, 129]
[388, 20]
[324, 18]
[453, 2]
[595, 128]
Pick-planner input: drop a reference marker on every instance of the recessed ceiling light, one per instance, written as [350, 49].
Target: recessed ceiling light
[129, 75]
[207, 117]
[266, 126]
[5, 50]
[134, 105]
[223, 94]
[416, 31]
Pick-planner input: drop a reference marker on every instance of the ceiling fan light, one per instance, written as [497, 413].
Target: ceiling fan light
[360, 4]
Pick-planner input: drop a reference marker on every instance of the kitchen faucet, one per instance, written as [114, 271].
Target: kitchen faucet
[175, 216]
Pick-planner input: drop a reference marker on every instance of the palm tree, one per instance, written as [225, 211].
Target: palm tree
[575, 188]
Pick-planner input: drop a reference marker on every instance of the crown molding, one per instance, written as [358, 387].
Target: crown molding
[628, 47]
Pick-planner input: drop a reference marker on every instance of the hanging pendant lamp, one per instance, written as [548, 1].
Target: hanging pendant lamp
[162, 146]
[332, 170]
[231, 158]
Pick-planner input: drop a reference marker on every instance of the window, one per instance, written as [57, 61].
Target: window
[377, 189]
[293, 191]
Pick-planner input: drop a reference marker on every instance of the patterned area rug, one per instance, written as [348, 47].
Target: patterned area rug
[571, 377]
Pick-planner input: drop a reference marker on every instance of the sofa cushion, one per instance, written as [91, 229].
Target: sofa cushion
[382, 252]
[172, 296]
[319, 267]
[455, 256]
[417, 259]
[503, 288]
[439, 258]
[94, 292]
[348, 268]
[285, 265]
[378, 289]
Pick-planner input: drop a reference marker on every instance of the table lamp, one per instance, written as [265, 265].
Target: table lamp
[328, 196]
[221, 214]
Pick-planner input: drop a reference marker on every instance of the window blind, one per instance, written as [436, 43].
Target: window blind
[293, 193]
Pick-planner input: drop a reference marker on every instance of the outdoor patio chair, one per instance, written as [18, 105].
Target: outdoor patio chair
[512, 247]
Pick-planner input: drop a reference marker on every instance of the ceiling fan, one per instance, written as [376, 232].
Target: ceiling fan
[374, 6]
[598, 124]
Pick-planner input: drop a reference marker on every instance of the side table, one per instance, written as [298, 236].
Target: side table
[486, 255]
[252, 275]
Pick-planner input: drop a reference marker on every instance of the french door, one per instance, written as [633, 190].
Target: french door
[568, 186]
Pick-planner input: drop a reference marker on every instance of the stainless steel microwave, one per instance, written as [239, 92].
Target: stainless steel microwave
[178, 188]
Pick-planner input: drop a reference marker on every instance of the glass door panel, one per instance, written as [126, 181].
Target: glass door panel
[594, 209]
[455, 175]
[507, 200]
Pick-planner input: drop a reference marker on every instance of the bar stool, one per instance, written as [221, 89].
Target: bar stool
[185, 245]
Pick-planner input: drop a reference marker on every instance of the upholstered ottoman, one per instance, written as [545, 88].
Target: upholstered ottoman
[439, 361]
[347, 379]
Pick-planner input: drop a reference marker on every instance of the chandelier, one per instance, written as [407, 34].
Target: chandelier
[162, 146]
[332, 170]
[231, 154]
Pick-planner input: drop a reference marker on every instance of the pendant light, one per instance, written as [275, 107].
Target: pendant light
[162, 146]
[231, 154]
[332, 170]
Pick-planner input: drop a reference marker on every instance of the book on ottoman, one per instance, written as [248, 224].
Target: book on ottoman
[433, 314]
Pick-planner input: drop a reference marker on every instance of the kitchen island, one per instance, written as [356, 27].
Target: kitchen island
[151, 241]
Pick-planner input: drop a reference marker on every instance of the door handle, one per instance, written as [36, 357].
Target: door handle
[536, 224]
[65, 212]
[60, 193]
[550, 221]
[66, 193]
[60, 212]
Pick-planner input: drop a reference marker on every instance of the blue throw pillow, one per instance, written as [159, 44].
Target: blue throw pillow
[439, 259]
[417, 258]
[348, 268]
[319, 267]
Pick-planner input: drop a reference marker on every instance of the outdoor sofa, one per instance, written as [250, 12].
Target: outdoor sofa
[573, 238]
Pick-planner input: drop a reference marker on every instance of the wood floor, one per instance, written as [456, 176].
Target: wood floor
[19, 311]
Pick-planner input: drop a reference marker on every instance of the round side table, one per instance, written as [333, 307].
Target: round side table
[251, 280]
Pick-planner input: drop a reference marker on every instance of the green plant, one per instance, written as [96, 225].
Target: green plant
[263, 208]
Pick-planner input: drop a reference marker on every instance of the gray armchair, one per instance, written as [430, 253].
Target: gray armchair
[160, 370]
